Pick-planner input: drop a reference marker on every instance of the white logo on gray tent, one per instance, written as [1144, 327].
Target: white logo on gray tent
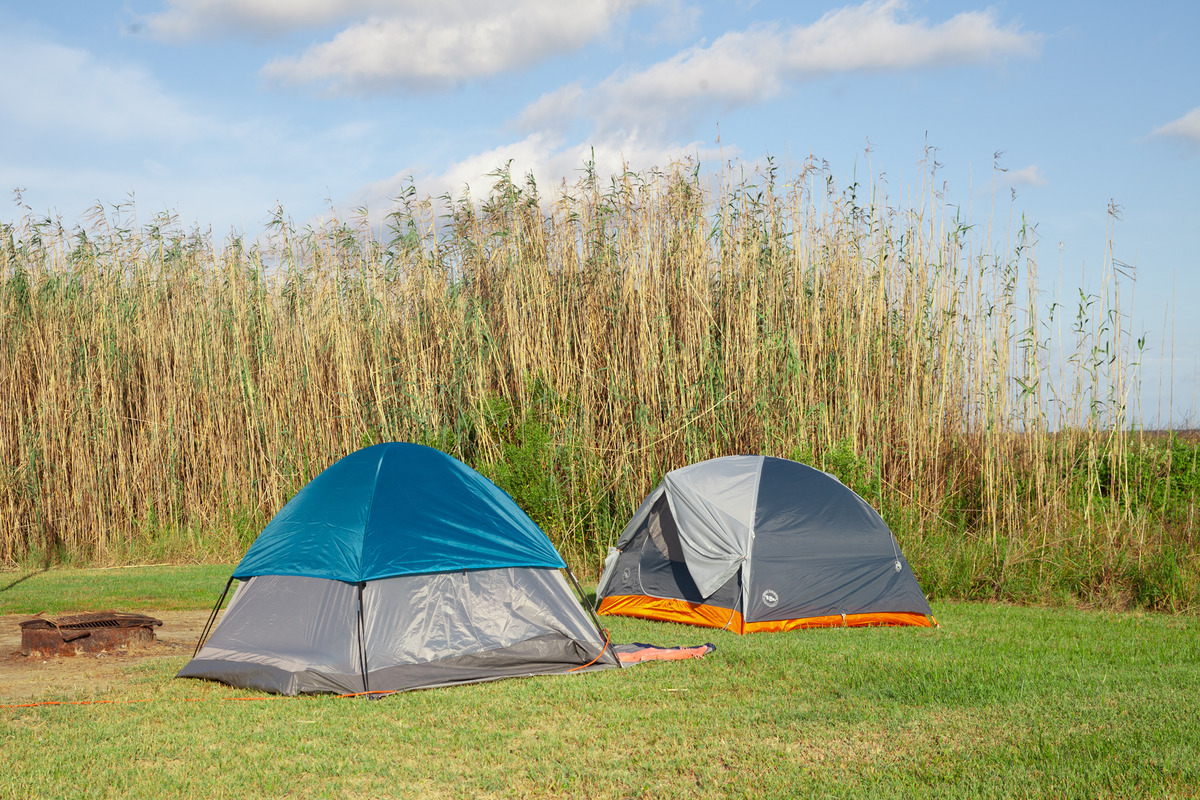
[770, 598]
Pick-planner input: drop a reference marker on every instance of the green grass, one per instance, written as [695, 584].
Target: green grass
[1002, 701]
[160, 588]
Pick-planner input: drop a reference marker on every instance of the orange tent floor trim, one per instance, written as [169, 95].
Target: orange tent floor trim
[668, 610]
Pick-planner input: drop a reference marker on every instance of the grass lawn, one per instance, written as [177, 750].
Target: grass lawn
[155, 588]
[1002, 701]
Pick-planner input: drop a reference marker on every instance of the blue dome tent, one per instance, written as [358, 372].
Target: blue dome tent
[398, 567]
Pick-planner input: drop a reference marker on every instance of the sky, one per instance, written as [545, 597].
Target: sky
[220, 111]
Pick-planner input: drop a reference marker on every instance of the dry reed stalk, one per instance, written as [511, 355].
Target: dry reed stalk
[153, 379]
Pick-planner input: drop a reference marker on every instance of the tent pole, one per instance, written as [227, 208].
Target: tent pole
[362, 640]
[583, 597]
[591, 611]
[211, 617]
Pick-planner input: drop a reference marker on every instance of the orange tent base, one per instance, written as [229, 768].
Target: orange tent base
[668, 610]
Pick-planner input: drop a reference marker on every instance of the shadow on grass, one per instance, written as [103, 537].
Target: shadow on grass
[25, 578]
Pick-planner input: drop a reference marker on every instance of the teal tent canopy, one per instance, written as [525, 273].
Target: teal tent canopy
[397, 509]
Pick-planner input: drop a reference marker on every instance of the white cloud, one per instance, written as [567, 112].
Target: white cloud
[1186, 127]
[743, 68]
[469, 174]
[872, 36]
[1027, 176]
[545, 157]
[680, 19]
[437, 45]
[189, 19]
[635, 116]
[553, 111]
[74, 93]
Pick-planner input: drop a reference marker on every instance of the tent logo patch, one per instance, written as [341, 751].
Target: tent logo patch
[770, 598]
[897, 566]
[625, 575]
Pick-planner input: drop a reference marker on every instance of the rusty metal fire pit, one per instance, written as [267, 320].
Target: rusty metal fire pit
[86, 633]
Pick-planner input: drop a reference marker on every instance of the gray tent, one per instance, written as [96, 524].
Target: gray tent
[398, 567]
[753, 543]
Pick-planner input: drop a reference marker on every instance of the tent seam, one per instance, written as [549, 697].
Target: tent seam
[370, 511]
[746, 567]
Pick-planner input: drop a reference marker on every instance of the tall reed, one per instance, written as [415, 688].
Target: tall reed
[161, 386]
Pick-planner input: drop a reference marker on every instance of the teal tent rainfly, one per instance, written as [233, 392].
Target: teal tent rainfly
[398, 567]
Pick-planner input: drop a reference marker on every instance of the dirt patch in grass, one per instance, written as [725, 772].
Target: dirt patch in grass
[29, 678]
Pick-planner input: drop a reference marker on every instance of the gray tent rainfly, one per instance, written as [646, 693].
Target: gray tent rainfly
[398, 567]
[753, 543]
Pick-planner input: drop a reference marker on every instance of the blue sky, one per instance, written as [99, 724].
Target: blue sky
[220, 110]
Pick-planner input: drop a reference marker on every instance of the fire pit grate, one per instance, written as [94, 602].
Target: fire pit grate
[87, 632]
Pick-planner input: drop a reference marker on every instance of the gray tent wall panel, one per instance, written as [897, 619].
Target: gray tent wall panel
[418, 619]
[296, 635]
[661, 563]
[632, 529]
[809, 523]
[639, 517]
[285, 634]
[714, 502]
[653, 564]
